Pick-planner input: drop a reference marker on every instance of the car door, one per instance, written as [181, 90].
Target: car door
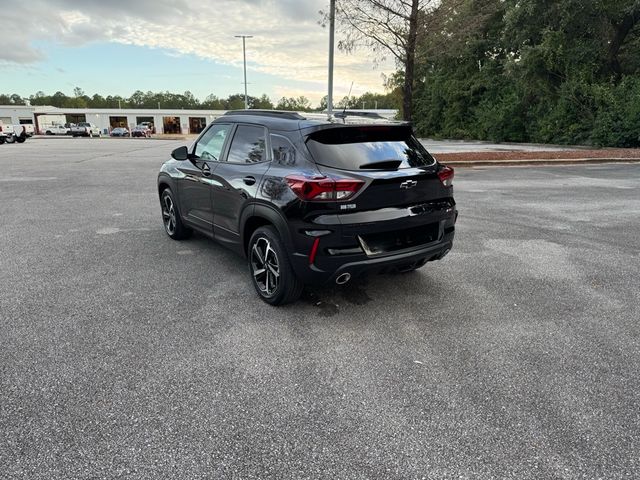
[194, 190]
[237, 179]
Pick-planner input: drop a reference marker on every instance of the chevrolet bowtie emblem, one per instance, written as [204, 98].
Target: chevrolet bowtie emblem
[408, 184]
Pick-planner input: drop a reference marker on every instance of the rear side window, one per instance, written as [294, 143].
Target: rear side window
[368, 148]
[248, 145]
[284, 153]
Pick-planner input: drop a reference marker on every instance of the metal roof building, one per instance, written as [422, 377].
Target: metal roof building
[172, 121]
[169, 121]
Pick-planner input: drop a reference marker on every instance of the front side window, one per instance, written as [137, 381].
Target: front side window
[210, 145]
[248, 145]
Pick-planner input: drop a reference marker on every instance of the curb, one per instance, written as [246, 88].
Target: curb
[554, 146]
[107, 137]
[537, 162]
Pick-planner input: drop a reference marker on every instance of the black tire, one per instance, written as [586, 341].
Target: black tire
[48, 132]
[1, 140]
[269, 263]
[10, 139]
[171, 219]
[21, 139]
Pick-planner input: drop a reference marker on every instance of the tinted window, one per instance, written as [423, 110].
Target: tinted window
[210, 145]
[362, 148]
[284, 152]
[248, 145]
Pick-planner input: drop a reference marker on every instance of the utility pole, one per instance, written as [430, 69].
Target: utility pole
[244, 58]
[332, 28]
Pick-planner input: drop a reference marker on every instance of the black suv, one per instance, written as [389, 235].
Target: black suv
[309, 201]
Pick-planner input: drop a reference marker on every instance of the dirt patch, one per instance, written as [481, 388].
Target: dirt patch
[630, 153]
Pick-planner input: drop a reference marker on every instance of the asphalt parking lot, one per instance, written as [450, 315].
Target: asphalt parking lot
[124, 354]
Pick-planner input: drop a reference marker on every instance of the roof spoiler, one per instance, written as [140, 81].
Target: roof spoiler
[338, 133]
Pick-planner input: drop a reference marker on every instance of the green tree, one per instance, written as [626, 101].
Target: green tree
[16, 99]
[297, 104]
[529, 70]
[385, 27]
[236, 101]
[263, 103]
[212, 102]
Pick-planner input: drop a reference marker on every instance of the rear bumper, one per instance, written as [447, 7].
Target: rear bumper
[360, 265]
[375, 241]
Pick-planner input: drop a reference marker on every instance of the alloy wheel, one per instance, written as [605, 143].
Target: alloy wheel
[265, 267]
[168, 214]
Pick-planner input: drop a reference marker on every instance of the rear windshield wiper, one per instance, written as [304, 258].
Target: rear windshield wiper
[382, 165]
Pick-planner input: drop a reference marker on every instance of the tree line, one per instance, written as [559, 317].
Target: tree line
[186, 100]
[549, 71]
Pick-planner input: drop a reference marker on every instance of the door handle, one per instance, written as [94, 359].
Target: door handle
[249, 180]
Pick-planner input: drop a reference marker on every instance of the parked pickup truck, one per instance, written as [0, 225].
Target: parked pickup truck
[57, 130]
[13, 133]
[85, 129]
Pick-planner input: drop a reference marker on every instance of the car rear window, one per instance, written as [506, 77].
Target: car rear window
[368, 148]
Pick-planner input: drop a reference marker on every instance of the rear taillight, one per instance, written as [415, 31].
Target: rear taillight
[446, 176]
[323, 189]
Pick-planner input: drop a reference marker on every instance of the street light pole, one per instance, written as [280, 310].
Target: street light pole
[244, 58]
[332, 28]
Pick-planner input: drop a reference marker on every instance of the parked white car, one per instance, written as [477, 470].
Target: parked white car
[85, 129]
[13, 133]
[57, 130]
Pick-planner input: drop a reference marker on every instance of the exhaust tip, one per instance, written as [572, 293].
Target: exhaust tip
[344, 278]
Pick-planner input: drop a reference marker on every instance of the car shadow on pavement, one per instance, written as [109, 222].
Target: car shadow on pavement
[328, 300]
[323, 298]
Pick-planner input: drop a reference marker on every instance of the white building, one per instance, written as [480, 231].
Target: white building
[19, 114]
[170, 121]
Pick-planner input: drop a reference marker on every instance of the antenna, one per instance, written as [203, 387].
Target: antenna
[344, 110]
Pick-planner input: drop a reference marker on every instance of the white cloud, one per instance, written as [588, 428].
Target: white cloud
[288, 42]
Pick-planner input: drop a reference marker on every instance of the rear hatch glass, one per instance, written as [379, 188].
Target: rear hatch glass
[368, 148]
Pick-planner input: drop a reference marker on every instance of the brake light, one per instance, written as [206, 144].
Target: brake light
[323, 189]
[446, 176]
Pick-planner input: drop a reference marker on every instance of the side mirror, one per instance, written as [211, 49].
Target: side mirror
[180, 153]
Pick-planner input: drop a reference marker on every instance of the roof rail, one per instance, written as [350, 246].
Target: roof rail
[268, 113]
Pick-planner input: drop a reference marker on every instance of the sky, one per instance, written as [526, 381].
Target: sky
[119, 46]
